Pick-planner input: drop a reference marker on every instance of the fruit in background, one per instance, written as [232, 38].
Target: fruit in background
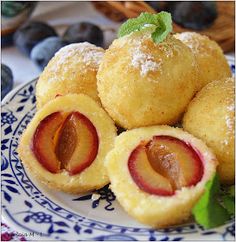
[66, 142]
[210, 117]
[7, 40]
[43, 52]
[193, 15]
[84, 31]
[31, 33]
[13, 15]
[159, 5]
[73, 69]
[142, 74]
[211, 63]
[158, 173]
[6, 80]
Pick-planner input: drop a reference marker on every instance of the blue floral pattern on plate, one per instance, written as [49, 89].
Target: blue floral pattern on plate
[30, 207]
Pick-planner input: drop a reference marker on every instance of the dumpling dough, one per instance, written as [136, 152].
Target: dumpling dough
[142, 83]
[155, 210]
[73, 69]
[210, 117]
[211, 62]
[90, 178]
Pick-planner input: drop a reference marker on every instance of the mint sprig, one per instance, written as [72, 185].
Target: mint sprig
[228, 199]
[229, 204]
[231, 190]
[212, 209]
[161, 23]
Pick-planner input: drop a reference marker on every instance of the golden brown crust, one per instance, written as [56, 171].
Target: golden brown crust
[210, 117]
[156, 211]
[141, 83]
[93, 177]
[73, 69]
[211, 62]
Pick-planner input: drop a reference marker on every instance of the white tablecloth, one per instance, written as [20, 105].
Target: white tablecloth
[60, 15]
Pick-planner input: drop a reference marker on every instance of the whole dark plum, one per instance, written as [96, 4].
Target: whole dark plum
[6, 40]
[6, 80]
[30, 34]
[158, 5]
[193, 15]
[84, 31]
[45, 50]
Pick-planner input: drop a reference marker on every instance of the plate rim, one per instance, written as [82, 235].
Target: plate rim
[4, 102]
[9, 95]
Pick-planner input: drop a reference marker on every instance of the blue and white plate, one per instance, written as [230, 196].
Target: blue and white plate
[42, 214]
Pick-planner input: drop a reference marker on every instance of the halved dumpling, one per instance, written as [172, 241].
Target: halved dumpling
[158, 173]
[66, 142]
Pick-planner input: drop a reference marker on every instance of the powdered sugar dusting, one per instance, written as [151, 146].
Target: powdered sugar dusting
[143, 61]
[140, 59]
[88, 54]
[227, 86]
[229, 121]
[141, 51]
[231, 107]
[196, 42]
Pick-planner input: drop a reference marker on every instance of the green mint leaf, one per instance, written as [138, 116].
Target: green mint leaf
[229, 204]
[231, 190]
[161, 23]
[135, 24]
[208, 211]
[228, 199]
[165, 27]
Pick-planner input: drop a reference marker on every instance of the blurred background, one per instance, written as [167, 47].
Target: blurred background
[33, 31]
